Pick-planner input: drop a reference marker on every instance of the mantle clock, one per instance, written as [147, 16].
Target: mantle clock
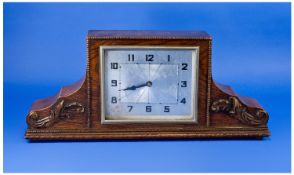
[146, 85]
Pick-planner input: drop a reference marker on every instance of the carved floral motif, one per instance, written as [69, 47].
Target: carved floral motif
[234, 108]
[59, 111]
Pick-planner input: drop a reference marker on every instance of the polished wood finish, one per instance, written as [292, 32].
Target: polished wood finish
[74, 113]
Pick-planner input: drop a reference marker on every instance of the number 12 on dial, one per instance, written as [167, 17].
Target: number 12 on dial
[149, 84]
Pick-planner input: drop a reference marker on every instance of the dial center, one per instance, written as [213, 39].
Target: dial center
[149, 83]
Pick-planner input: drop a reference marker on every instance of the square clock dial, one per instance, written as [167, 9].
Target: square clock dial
[149, 84]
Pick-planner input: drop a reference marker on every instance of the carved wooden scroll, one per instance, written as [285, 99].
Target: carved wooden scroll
[60, 111]
[234, 108]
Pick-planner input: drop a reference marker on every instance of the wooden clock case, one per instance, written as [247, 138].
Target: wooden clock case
[74, 112]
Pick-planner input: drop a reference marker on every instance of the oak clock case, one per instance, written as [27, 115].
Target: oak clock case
[147, 85]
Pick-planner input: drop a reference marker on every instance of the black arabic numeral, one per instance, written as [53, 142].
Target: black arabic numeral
[131, 57]
[113, 100]
[183, 83]
[148, 108]
[130, 108]
[184, 66]
[166, 108]
[114, 65]
[149, 57]
[113, 82]
[183, 101]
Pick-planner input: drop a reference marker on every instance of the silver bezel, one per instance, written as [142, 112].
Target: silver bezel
[195, 64]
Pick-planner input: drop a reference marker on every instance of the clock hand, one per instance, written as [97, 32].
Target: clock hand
[148, 83]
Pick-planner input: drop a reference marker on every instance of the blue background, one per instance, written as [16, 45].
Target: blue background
[251, 52]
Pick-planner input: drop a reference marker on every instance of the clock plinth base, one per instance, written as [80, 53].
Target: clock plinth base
[211, 133]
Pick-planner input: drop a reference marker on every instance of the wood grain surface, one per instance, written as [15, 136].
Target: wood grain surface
[74, 113]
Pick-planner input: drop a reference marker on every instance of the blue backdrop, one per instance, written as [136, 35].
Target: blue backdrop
[251, 52]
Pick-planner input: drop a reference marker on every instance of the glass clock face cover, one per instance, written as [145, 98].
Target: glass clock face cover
[149, 84]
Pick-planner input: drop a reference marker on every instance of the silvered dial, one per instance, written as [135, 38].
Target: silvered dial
[149, 84]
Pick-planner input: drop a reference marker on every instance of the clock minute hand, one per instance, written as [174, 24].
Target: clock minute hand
[128, 88]
[148, 83]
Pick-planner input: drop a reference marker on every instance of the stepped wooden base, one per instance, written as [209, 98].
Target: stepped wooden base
[212, 133]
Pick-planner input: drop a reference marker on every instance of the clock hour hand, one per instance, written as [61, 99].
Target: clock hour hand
[148, 83]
